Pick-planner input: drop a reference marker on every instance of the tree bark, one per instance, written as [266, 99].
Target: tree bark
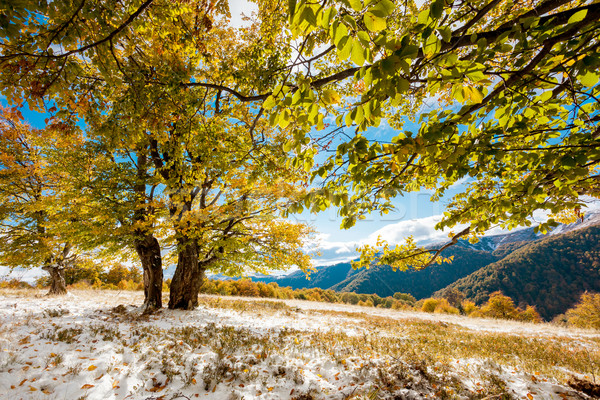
[188, 277]
[148, 249]
[58, 285]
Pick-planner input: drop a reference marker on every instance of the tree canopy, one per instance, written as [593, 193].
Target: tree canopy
[159, 87]
[502, 95]
[496, 97]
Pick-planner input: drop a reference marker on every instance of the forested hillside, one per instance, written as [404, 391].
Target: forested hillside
[422, 283]
[550, 273]
[383, 281]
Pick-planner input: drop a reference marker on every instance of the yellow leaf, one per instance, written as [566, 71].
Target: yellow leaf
[87, 386]
[32, 389]
[92, 367]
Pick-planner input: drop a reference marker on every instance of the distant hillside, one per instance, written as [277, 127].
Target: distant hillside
[382, 280]
[547, 271]
[324, 277]
[550, 273]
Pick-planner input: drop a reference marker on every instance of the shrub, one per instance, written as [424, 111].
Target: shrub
[14, 284]
[246, 287]
[445, 308]
[406, 297]
[469, 307]
[429, 305]
[530, 314]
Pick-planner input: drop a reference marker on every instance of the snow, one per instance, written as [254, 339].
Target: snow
[97, 345]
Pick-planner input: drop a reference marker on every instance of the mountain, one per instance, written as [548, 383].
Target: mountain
[382, 280]
[550, 273]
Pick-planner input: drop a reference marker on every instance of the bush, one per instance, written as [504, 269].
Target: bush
[586, 314]
[406, 297]
[429, 305]
[469, 307]
[445, 308]
[499, 306]
[14, 284]
[246, 287]
[530, 314]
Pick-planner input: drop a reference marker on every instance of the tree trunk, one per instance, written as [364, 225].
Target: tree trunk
[148, 250]
[188, 277]
[57, 280]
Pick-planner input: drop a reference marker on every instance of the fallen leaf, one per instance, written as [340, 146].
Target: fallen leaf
[92, 367]
[87, 386]
[32, 389]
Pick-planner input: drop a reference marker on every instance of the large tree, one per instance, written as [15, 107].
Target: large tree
[113, 192]
[503, 98]
[181, 86]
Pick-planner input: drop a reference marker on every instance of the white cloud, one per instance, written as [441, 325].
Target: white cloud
[239, 8]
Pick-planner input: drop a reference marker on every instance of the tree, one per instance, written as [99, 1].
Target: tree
[499, 306]
[586, 314]
[515, 115]
[30, 221]
[172, 78]
[114, 195]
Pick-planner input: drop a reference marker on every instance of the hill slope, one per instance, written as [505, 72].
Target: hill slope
[550, 273]
[382, 280]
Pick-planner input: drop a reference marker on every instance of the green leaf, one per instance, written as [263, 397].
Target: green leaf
[284, 118]
[385, 8]
[356, 5]
[589, 79]
[445, 33]
[340, 32]
[432, 45]
[324, 18]
[423, 17]
[330, 96]
[578, 16]
[269, 103]
[358, 52]
[373, 22]
[344, 48]
[403, 85]
[291, 8]
[437, 8]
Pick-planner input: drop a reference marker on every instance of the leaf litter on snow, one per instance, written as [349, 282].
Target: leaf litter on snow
[97, 345]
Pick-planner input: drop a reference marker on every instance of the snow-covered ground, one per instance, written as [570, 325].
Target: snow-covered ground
[96, 345]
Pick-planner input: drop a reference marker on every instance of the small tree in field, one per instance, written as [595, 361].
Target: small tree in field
[499, 306]
[586, 314]
[31, 228]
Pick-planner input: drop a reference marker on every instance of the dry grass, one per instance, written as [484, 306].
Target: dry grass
[379, 357]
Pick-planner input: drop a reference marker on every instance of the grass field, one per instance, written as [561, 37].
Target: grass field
[97, 345]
